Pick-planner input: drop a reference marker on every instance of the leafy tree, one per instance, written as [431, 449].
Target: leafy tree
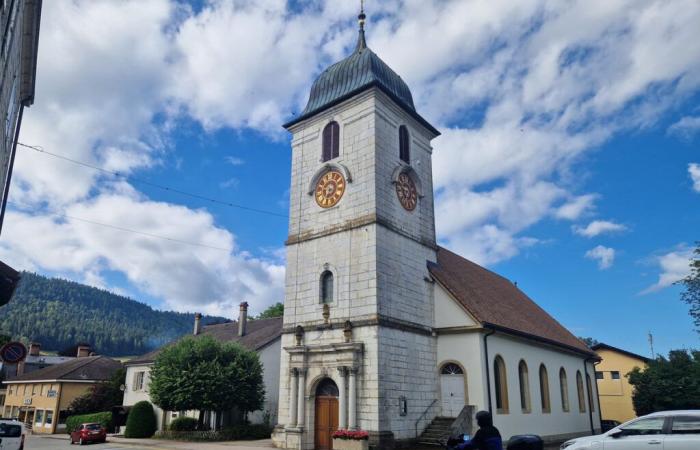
[4, 339]
[276, 310]
[141, 422]
[589, 341]
[667, 384]
[206, 375]
[691, 295]
[101, 397]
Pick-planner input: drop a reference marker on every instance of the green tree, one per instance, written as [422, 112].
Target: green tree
[141, 422]
[206, 375]
[589, 341]
[276, 310]
[667, 384]
[691, 295]
[4, 339]
[101, 397]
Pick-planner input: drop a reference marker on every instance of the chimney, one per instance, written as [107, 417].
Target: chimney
[243, 319]
[197, 324]
[34, 349]
[83, 351]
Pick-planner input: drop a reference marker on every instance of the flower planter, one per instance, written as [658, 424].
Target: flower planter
[350, 444]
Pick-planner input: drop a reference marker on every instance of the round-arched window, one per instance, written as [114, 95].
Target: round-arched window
[327, 388]
[331, 141]
[451, 369]
[327, 287]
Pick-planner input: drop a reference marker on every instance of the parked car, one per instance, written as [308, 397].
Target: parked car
[88, 432]
[667, 430]
[12, 435]
[607, 425]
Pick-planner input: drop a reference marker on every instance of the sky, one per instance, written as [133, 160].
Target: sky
[569, 159]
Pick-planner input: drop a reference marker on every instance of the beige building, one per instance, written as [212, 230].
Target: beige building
[41, 398]
[613, 387]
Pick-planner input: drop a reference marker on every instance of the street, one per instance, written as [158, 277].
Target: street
[38, 442]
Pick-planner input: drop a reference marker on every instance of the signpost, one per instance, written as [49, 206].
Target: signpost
[13, 352]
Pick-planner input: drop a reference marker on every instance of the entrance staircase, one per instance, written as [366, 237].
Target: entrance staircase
[437, 432]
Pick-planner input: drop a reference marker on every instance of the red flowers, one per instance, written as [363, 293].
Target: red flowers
[356, 435]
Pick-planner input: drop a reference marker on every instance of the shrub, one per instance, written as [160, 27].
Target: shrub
[141, 422]
[103, 418]
[232, 433]
[183, 424]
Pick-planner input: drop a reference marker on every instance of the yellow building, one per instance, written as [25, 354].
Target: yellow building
[614, 389]
[41, 398]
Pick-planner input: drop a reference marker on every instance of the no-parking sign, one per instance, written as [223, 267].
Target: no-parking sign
[13, 352]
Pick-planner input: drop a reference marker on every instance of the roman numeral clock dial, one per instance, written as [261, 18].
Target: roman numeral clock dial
[406, 192]
[329, 189]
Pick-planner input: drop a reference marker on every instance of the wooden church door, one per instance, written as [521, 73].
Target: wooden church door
[326, 414]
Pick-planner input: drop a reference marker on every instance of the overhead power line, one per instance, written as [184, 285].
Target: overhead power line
[149, 183]
[129, 230]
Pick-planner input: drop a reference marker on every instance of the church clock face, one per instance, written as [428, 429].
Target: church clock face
[329, 189]
[406, 191]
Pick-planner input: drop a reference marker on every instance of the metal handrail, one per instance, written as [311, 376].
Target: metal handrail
[423, 415]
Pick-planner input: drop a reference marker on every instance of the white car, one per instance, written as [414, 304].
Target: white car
[668, 430]
[11, 435]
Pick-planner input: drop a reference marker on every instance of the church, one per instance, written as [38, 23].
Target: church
[384, 330]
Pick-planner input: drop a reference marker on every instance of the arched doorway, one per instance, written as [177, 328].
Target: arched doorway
[326, 414]
[452, 384]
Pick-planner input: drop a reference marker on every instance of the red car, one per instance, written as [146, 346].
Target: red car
[88, 432]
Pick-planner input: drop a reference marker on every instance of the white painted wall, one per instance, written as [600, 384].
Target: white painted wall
[448, 313]
[270, 359]
[131, 397]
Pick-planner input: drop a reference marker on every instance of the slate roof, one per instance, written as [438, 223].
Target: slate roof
[602, 346]
[89, 368]
[498, 303]
[259, 333]
[360, 71]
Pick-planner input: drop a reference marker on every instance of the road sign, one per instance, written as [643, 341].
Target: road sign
[13, 352]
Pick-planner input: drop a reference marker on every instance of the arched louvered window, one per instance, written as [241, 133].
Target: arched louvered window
[501, 381]
[579, 389]
[544, 390]
[331, 141]
[564, 390]
[524, 379]
[327, 287]
[451, 369]
[404, 148]
[589, 387]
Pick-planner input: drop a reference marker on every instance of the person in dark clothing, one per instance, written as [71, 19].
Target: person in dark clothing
[487, 436]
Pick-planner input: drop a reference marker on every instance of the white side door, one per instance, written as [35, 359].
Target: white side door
[645, 433]
[452, 394]
[685, 433]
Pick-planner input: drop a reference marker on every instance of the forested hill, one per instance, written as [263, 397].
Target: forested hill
[59, 313]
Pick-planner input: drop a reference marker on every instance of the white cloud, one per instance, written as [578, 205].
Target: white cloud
[231, 183]
[598, 227]
[576, 207]
[673, 266]
[234, 160]
[694, 172]
[686, 127]
[604, 255]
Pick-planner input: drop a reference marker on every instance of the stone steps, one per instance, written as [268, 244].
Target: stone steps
[436, 433]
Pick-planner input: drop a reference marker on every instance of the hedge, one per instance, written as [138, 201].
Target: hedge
[183, 424]
[232, 433]
[141, 422]
[103, 418]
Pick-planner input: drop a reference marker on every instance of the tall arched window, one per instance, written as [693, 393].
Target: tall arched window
[331, 141]
[579, 389]
[524, 379]
[327, 287]
[564, 390]
[589, 387]
[404, 148]
[501, 381]
[544, 390]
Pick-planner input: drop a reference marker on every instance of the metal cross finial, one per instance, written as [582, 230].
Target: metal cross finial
[362, 15]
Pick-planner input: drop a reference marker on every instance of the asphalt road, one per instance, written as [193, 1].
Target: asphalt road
[36, 442]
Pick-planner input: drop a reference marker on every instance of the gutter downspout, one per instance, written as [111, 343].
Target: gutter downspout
[6, 188]
[600, 410]
[589, 387]
[488, 370]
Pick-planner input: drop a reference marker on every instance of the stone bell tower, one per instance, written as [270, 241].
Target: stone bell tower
[357, 344]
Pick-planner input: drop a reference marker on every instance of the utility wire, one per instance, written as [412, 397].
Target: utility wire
[39, 149]
[129, 230]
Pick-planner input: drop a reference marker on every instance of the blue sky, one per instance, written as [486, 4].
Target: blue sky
[568, 160]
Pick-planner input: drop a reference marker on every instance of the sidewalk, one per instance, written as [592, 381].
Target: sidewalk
[178, 445]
